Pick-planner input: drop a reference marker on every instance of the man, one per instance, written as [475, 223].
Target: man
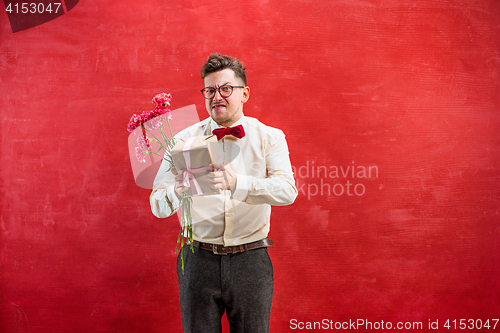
[230, 269]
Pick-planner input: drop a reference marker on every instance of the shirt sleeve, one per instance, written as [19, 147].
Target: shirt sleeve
[163, 200]
[278, 187]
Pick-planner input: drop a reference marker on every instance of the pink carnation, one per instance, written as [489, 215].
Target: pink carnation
[135, 121]
[162, 99]
[163, 110]
[153, 123]
[145, 116]
[141, 157]
[153, 114]
[143, 142]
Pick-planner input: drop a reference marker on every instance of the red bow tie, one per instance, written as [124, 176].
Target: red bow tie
[236, 131]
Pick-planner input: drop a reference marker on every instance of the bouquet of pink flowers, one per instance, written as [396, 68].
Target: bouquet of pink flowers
[161, 144]
[150, 121]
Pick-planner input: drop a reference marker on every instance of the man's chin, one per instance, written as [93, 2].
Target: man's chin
[223, 119]
[219, 120]
[218, 117]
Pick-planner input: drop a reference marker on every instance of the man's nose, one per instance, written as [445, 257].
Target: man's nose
[217, 95]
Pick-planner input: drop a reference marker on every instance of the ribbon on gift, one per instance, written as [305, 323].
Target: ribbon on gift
[187, 174]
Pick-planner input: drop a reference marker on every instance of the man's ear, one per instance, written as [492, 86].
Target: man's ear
[246, 94]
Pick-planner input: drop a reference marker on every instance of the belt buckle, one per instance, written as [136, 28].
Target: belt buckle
[214, 250]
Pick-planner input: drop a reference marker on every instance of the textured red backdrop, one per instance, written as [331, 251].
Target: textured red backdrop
[406, 90]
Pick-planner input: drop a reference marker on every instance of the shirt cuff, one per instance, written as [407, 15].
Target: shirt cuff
[172, 197]
[243, 186]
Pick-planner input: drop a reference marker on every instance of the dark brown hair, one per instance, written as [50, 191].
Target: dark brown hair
[217, 62]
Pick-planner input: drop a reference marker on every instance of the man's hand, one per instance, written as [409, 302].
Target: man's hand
[223, 178]
[179, 184]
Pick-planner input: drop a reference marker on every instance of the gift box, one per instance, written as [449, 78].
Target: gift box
[192, 158]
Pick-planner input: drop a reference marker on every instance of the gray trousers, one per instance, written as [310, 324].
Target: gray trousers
[240, 284]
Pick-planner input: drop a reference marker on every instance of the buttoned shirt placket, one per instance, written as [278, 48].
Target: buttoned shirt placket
[228, 202]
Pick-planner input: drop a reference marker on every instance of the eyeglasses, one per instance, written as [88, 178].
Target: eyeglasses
[225, 91]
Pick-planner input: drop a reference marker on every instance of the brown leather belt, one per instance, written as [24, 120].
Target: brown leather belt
[221, 249]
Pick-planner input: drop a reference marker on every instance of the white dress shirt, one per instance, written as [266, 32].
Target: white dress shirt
[264, 177]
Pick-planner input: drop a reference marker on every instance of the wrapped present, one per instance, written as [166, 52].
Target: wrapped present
[192, 158]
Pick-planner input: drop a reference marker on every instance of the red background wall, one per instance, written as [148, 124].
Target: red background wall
[410, 88]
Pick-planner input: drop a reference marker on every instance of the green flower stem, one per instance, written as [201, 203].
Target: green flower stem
[164, 136]
[166, 144]
[156, 139]
[168, 123]
[186, 228]
[152, 152]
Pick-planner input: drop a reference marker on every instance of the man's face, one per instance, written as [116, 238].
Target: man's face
[225, 111]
